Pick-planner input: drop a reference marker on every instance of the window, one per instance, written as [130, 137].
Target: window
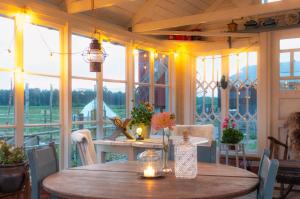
[41, 85]
[289, 64]
[84, 93]
[243, 95]
[208, 94]
[161, 81]
[141, 76]
[269, 1]
[7, 94]
[114, 85]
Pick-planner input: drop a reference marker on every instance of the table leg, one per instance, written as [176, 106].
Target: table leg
[102, 157]
[131, 154]
[236, 155]
[226, 155]
[244, 157]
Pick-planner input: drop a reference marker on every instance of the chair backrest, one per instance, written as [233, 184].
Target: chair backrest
[267, 176]
[85, 145]
[206, 131]
[276, 147]
[42, 162]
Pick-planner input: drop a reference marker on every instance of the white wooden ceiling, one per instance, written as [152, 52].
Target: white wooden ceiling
[156, 15]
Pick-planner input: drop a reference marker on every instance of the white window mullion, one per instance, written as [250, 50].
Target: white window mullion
[19, 87]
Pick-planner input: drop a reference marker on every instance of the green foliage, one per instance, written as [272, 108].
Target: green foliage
[232, 136]
[10, 155]
[142, 114]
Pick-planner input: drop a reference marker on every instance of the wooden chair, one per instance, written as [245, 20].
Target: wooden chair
[42, 162]
[276, 146]
[207, 152]
[267, 176]
[84, 143]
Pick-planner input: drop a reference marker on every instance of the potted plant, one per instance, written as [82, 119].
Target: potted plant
[231, 135]
[141, 119]
[13, 168]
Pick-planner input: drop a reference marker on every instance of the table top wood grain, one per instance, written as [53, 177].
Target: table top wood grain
[120, 180]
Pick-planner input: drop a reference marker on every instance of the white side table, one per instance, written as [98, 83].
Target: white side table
[237, 149]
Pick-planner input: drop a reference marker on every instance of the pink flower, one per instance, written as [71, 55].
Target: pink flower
[233, 125]
[226, 119]
[162, 120]
[225, 125]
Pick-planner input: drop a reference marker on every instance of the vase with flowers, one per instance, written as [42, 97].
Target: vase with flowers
[164, 121]
[141, 116]
[231, 135]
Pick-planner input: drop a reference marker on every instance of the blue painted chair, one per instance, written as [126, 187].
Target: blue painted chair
[42, 162]
[267, 176]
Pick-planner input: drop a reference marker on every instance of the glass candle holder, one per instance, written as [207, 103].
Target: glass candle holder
[150, 164]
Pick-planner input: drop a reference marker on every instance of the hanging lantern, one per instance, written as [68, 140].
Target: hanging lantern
[95, 55]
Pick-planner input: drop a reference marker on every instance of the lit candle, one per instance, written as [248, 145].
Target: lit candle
[149, 172]
[139, 131]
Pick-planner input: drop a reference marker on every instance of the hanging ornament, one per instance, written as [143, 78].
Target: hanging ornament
[95, 55]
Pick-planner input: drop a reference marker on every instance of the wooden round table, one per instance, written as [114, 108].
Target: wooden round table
[120, 180]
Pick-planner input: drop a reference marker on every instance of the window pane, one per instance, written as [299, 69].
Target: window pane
[233, 67]
[7, 43]
[208, 68]
[41, 136]
[242, 66]
[80, 67]
[290, 84]
[252, 66]
[161, 67]
[7, 109]
[289, 43]
[285, 64]
[115, 62]
[208, 98]
[161, 102]
[200, 69]
[41, 97]
[39, 42]
[114, 104]
[243, 95]
[141, 66]
[217, 68]
[141, 94]
[84, 103]
[297, 63]
[8, 135]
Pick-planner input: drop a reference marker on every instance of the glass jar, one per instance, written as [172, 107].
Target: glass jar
[150, 164]
[186, 159]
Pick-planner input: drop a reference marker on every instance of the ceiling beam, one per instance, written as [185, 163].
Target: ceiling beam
[210, 33]
[222, 15]
[142, 12]
[86, 5]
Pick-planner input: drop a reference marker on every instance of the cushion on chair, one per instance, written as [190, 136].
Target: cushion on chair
[85, 145]
[206, 131]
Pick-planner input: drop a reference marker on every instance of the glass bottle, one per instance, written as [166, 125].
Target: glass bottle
[186, 159]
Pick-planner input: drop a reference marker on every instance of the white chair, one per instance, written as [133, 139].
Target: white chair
[85, 145]
[205, 152]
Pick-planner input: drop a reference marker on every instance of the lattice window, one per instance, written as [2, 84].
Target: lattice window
[208, 95]
[243, 95]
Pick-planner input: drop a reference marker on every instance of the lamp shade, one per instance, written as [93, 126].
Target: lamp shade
[95, 55]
